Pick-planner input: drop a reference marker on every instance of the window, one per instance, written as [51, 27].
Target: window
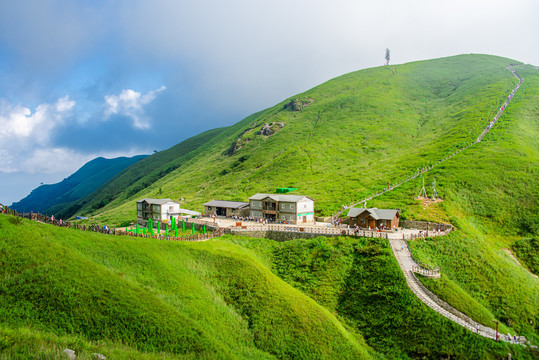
[291, 206]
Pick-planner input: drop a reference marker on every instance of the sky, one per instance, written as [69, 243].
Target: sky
[88, 78]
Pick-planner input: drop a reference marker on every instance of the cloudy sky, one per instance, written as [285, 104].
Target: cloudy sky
[88, 78]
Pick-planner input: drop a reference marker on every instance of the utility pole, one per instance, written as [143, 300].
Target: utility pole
[497, 322]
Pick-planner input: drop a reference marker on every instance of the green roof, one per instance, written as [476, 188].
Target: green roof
[285, 190]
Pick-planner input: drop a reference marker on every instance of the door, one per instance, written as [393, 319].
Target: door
[305, 219]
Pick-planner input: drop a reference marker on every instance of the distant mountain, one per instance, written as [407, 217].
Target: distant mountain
[140, 175]
[50, 199]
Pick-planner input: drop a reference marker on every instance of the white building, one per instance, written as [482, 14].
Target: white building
[160, 210]
[294, 209]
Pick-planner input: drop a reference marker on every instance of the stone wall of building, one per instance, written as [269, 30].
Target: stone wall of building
[422, 225]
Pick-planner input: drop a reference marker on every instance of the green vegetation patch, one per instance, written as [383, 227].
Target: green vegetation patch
[527, 251]
[360, 281]
[201, 300]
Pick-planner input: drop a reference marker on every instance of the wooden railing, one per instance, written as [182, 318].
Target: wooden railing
[420, 267]
[425, 234]
[308, 230]
[96, 228]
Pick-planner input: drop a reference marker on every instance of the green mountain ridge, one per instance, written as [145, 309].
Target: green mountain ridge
[362, 131]
[370, 128]
[139, 176]
[304, 299]
[50, 199]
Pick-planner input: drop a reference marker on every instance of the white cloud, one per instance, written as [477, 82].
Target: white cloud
[19, 122]
[59, 160]
[6, 162]
[21, 131]
[52, 160]
[131, 103]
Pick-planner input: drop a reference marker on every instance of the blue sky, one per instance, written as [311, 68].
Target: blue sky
[81, 79]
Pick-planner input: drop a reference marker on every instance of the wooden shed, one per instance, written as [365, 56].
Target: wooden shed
[373, 217]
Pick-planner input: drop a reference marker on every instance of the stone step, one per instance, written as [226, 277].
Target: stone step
[406, 262]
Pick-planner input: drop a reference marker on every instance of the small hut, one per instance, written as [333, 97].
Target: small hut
[373, 217]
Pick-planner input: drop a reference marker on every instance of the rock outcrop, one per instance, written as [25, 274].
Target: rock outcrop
[248, 135]
[298, 104]
[270, 129]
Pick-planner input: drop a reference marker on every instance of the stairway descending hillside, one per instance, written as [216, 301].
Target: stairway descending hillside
[404, 256]
[502, 108]
[428, 168]
[406, 263]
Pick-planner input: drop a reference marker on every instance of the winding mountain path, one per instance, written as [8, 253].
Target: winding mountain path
[407, 264]
[428, 168]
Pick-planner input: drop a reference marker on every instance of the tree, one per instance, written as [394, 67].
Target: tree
[388, 56]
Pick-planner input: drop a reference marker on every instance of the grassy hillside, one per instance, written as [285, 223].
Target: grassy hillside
[230, 298]
[343, 140]
[131, 297]
[359, 279]
[362, 130]
[50, 199]
[355, 134]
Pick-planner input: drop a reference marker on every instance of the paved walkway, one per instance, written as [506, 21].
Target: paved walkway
[406, 263]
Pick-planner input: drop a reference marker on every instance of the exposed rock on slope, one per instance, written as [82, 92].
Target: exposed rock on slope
[298, 104]
[248, 135]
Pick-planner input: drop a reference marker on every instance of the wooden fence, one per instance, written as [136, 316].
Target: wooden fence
[425, 234]
[96, 228]
[420, 267]
[309, 230]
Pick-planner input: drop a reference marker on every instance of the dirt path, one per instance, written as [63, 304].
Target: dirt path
[508, 252]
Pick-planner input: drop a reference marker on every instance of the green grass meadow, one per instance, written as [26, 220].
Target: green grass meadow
[324, 298]
[233, 297]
